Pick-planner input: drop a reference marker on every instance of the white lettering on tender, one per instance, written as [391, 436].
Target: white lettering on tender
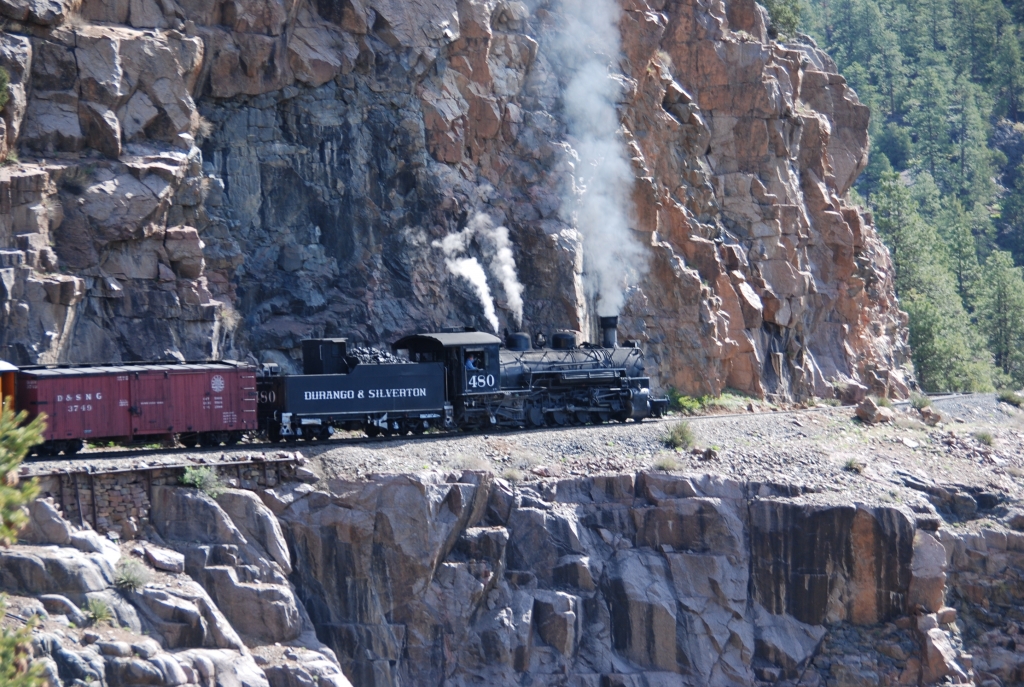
[344, 395]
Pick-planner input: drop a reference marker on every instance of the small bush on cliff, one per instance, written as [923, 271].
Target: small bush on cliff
[16, 669]
[680, 437]
[5, 80]
[687, 405]
[98, 612]
[919, 401]
[205, 479]
[131, 576]
[884, 402]
[984, 437]
[1011, 397]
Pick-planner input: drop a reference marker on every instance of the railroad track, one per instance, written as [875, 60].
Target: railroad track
[80, 463]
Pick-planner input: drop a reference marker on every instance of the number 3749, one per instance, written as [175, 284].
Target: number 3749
[481, 381]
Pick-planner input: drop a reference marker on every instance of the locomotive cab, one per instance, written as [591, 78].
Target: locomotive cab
[7, 372]
[471, 359]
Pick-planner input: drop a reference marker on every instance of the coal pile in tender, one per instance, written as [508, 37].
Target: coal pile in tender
[376, 356]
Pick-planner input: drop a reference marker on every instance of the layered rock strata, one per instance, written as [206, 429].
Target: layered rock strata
[229, 178]
[630, 579]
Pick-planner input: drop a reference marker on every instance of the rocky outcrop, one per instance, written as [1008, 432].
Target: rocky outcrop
[622, 579]
[238, 176]
[619, 579]
[190, 619]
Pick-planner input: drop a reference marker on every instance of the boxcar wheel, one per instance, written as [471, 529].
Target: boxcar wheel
[209, 439]
[189, 440]
[372, 430]
[72, 447]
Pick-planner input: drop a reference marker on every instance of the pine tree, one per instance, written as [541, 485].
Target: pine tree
[15, 440]
[963, 252]
[1001, 309]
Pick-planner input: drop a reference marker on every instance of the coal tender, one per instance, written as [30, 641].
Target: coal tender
[457, 380]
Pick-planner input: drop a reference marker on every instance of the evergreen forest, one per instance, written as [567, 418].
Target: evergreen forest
[945, 83]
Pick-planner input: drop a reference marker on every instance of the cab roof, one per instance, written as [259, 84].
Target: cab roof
[446, 340]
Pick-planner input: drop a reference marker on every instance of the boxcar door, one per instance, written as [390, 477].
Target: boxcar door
[152, 411]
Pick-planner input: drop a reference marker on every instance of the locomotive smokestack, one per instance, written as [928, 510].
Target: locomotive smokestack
[609, 333]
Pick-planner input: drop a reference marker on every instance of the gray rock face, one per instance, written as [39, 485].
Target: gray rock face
[413, 579]
[240, 575]
[237, 177]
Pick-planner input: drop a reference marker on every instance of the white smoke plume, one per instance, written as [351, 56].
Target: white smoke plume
[587, 51]
[495, 247]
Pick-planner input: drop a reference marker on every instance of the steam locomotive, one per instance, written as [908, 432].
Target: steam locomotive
[458, 379]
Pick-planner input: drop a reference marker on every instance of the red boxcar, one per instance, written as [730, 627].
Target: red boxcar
[208, 403]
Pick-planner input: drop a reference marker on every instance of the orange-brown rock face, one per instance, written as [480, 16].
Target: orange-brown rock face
[338, 142]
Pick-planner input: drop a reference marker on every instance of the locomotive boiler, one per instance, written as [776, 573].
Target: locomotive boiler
[460, 379]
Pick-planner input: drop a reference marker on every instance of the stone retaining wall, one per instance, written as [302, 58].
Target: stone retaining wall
[118, 500]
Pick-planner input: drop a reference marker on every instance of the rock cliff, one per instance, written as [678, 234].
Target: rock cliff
[623, 579]
[201, 179]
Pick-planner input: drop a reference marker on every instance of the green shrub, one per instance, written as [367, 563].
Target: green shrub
[984, 437]
[680, 436]
[854, 465]
[687, 404]
[1011, 397]
[5, 80]
[99, 612]
[205, 479]
[884, 402]
[919, 401]
[131, 576]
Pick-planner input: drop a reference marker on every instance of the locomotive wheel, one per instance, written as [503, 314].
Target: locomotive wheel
[189, 440]
[602, 416]
[534, 416]
[557, 418]
[583, 416]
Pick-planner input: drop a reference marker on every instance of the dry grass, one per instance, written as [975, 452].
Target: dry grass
[680, 437]
[855, 465]
[666, 462]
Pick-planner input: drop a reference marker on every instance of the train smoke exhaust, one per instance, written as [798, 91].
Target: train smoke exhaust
[587, 52]
[495, 248]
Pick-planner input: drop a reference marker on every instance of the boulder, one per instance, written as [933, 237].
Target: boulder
[189, 515]
[305, 668]
[927, 573]
[44, 12]
[785, 641]
[33, 571]
[939, 658]
[871, 413]
[165, 559]
[257, 523]
[280, 497]
[45, 525]
[61, 605]
[558, 620]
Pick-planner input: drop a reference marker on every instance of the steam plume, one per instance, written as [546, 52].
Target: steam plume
[494, 245]
[502, 264]
[587, 51]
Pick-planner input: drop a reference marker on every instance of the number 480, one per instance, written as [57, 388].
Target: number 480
[484, 381]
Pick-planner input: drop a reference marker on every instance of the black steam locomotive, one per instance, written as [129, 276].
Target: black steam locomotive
[457, 380]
